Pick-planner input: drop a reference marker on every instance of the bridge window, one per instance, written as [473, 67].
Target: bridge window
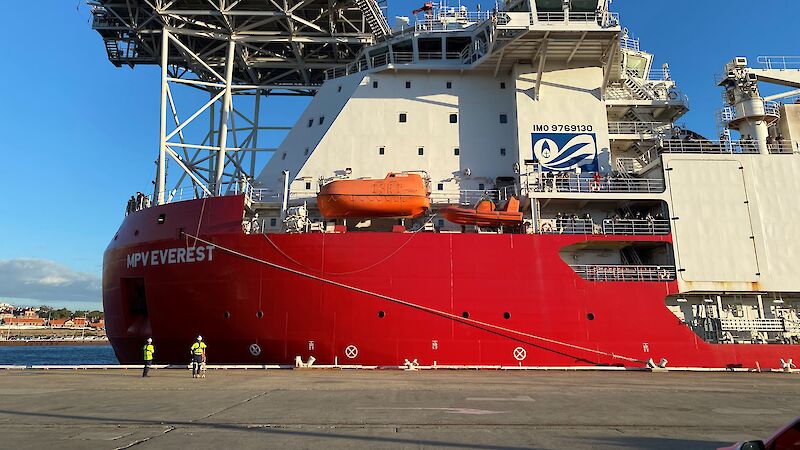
[503, 118]
[381, 150]
[481, 187]
[449, 85]
[453, 118]
[305, 152]
[408, 85]
[339, 89]
[321, 119]
[502, 152]
[403, 118]
[421, 151]
[273, 222]
[502, 85]
[456, 151]
[283, 155]
[310, 122]
[308, 185]
[440, 187]
[375, 84]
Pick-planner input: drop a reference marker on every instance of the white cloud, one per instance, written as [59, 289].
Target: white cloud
[47, 281]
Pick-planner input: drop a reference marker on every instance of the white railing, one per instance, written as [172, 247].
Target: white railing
[729, 113]
[450, 19]
[780, 62]
[605, 19]
[642, 227]
[740, 324]
[783, 147]
[640, 128]
[625, 273]
[573, 184]
[628, 43]
[566, 226]
[621, 227]
[707, 147]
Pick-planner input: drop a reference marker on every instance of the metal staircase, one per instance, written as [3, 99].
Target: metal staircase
[374, 17]
[112, 48]
[638, 89]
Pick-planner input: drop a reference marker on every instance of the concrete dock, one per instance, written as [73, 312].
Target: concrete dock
[118, 409]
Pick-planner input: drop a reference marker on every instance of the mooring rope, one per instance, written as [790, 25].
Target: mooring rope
[464, 320]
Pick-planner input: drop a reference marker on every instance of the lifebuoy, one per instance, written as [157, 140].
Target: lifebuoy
[547, 228]
[594, 186]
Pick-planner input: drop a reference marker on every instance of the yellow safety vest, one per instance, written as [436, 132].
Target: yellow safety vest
[198, 347]
[148, 352]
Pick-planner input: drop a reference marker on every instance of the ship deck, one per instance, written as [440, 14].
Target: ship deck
[390, 409]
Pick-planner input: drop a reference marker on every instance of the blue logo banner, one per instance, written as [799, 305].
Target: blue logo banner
[563, 152]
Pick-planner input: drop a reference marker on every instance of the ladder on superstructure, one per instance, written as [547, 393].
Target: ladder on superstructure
[374, 18]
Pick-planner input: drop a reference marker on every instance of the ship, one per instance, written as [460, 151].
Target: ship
[510, 187]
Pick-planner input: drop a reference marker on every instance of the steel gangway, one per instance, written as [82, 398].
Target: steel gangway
[374, 17]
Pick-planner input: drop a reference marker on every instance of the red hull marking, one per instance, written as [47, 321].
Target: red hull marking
[235, 302]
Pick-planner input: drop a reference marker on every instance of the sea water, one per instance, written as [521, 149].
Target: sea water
[26, 355]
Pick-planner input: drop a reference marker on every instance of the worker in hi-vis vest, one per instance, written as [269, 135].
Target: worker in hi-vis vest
[198, 352]
[147, 352]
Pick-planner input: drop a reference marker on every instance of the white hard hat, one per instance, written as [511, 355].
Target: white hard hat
[149, 340]
[199, 338]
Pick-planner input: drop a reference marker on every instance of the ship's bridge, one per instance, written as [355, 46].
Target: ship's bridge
[442, 37]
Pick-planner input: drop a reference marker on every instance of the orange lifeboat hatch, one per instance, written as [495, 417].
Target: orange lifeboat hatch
[486, 214]
[399, 195]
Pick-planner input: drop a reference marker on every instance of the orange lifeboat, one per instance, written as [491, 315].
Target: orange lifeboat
[485, 214]
[400, 195]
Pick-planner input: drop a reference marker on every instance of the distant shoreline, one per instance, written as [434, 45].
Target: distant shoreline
[49, 343]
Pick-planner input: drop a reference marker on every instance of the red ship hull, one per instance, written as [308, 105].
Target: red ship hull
[252, 313]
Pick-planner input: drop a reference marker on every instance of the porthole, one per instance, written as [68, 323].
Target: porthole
[506, 315]
[381, 314]
[226, 315]
[260, 314]
[590, 316]
[465, 315]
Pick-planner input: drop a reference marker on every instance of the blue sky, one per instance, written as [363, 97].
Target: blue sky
[81, 134]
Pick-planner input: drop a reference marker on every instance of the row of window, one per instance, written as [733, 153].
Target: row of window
[403, 118]
[421, 151]
[448, 85]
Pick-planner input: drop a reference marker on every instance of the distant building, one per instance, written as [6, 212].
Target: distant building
[100, 325]
[30, 313]
[60, 323]
[4, 316]
[80, 322]
[25, 321]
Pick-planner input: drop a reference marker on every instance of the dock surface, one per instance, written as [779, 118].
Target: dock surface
[118, 409]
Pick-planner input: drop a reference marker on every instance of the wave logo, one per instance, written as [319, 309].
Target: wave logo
[561, 152]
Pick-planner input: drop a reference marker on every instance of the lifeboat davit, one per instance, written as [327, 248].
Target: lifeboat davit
[399, 195]
[486, 214]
